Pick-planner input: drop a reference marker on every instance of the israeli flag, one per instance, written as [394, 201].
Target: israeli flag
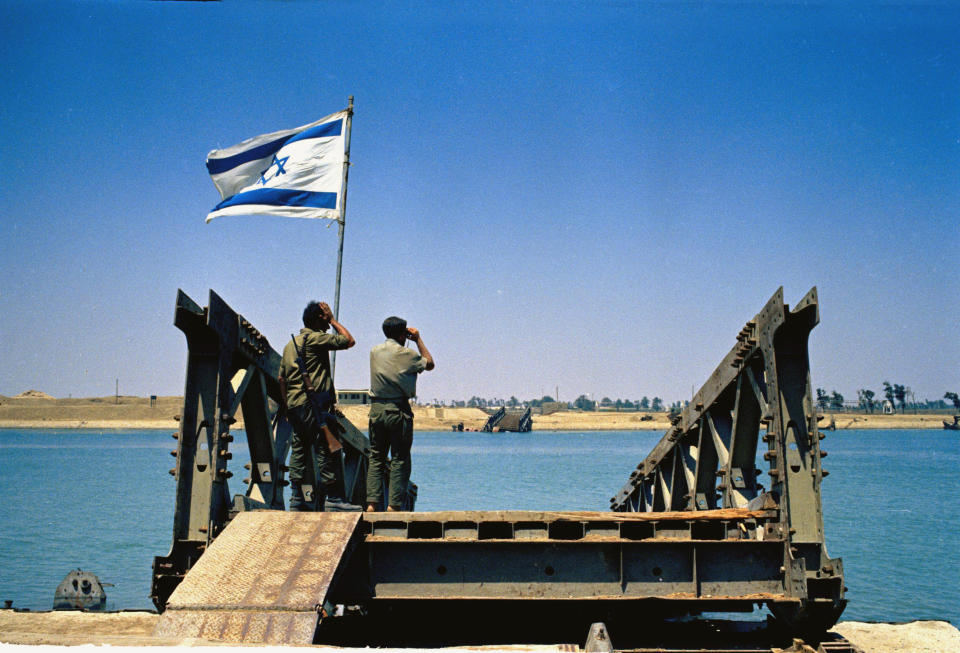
[295, 173]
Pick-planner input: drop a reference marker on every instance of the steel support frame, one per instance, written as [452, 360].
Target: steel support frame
[707, 459]
[232, 370]
[720, 559]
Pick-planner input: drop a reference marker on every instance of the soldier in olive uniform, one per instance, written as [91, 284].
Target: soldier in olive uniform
[314, 345]
[393, 382]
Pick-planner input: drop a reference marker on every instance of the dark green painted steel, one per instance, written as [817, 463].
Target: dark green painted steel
[707, 458]
[232, 370]
[694, 529]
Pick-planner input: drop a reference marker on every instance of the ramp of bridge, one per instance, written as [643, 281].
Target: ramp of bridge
[264, 579]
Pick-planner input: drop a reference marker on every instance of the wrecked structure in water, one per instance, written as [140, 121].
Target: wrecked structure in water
[694, 530]
[518, 421]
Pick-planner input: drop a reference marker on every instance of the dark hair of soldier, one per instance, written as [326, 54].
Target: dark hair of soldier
[395, 327]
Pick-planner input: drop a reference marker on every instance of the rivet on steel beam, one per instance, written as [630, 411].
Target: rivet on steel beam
[823, 454]
[176, 418]
[284, 482]
[247, 480]
[722, 486]
[822, 435]
[228, 419]
[226, 474]
[769, 455]
[226, 455]
[246, 466]
[175, 436]
[824, 473]
[202, 529]
[721, 472]
[173, 471]
[793, 530]
[774, 472]
[226, 437]
[699, 405]
[827, 569]
[173, 452]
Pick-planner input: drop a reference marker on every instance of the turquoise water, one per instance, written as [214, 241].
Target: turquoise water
[103, 501]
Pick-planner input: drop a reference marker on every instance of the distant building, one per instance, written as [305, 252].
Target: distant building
[353, 396]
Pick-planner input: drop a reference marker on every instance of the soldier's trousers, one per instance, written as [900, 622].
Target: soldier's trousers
[307, 436]
[391, 431]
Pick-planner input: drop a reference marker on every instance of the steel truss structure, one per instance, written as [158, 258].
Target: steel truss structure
[708, 458]
[693, 530]
[232, 371]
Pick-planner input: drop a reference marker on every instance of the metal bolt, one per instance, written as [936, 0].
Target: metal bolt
[175, 436]
[173, 471]
[226, 455]
[173, 453]
[246, 466]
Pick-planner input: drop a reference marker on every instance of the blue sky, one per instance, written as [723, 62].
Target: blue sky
[594, 196]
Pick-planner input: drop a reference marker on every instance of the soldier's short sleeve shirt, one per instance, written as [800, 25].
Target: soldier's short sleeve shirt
[393, 370]
[315, 347]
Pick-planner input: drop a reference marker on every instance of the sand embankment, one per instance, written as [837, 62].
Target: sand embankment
[91, 412]
[42, 411]
[136, 629]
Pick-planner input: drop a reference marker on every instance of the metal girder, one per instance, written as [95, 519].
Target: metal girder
[232, 370]
[712, 558]
[708, 457]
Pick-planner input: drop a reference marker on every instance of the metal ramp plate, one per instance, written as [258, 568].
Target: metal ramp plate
[263, 580]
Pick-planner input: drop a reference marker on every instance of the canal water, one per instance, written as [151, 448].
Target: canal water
[103, 501]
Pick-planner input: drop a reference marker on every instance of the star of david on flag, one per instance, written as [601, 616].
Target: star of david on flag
[295, 173]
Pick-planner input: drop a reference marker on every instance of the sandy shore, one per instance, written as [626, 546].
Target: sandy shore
[139, 413]
[136, 629]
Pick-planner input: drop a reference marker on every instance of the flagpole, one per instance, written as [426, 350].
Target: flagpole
[341, 221]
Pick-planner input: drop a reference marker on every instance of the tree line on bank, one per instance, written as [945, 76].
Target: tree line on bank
[583, 402]
[895, 396]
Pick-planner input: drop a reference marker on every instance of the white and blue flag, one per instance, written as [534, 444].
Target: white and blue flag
[296, 173]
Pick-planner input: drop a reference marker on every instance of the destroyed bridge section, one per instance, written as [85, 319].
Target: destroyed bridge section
[692, 530]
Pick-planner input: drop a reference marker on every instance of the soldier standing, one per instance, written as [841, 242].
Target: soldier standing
[310, 350]
[393, 382]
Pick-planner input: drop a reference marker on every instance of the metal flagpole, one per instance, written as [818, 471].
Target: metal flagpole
[340, 224]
